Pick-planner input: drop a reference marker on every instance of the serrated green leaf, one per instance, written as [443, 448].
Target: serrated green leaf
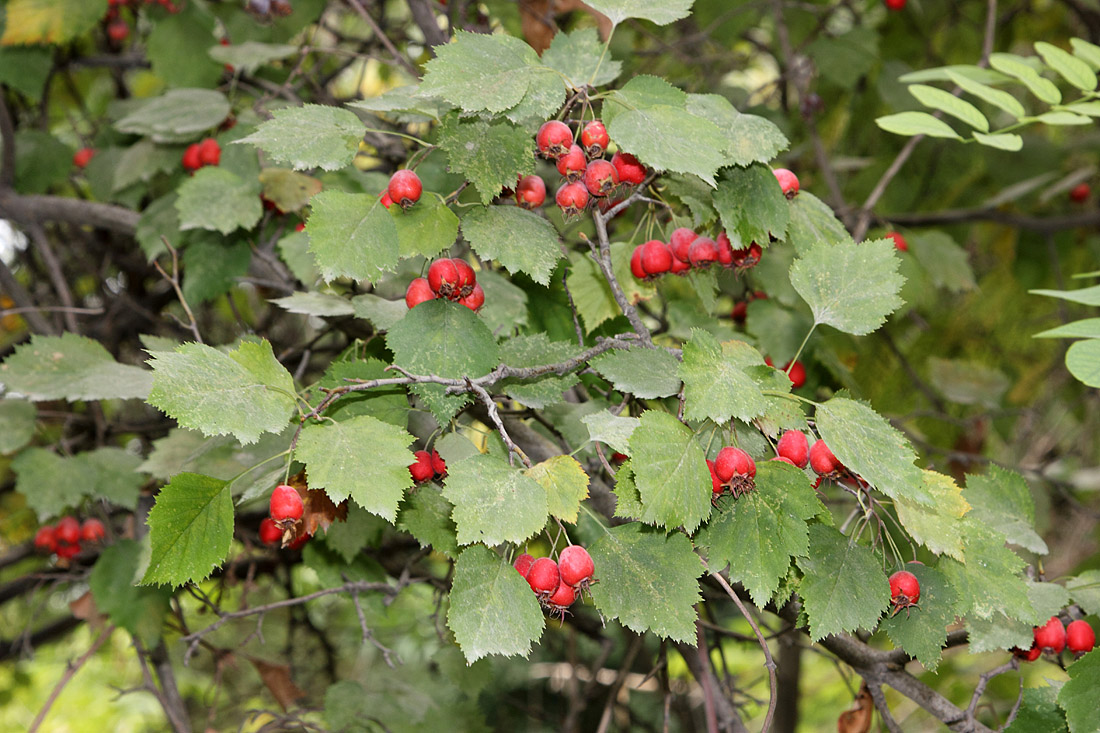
[244, 393]
[1072, 69]
[352, 235]
[310, 136]
[866, 443]
[851, 287]
[812, 221]
[566, 485]
[752, 205]
[520, 240]
[425, 229]
[380, 312]
[49, 21]
[492, 609]
[844, 587]
[544, 97]
[1039, 711]
[359, 530]
[1078, 696]
[480, 72]
[1000, 99]
[388, 404]
[989, 581]
[916, 123]
[922, 632]
[112, 581]
[647, 580]
[945, 261]
[612, 430]
[404, 104]
[716, 386]
[179, 115]
[289, 190]
[579, 57]
[1048, 599]
[592, 295]
[1085, 591]
[489, 155]
[143, 160]
[249, 56]
[645, 373]
[998, 632]
[758, 533]
[936, 525]
[669, 138]
[211, 267]
[315, 304]
[1083, 362]
[1018, 68]
[1087, 52]
[71, 367]
[49, 482]
[946, 102]
[17, 424]
[967, 382]
[190, 530]
[662, 13]
[426, 515]
[749, 138]
[375, 479]
[494, 503]
[160, 219]
[1001, 500]
[670, 472]
[627, 503]
[219, 200]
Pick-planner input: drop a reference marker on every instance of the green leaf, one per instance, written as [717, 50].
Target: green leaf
[190, 530]
[243, 393]
[647, 580]
[109, 474]
[846, 58]
[426, 515]
[670, 471]
[662, 13]
[1088, 328]
[1078, 696]
[1017, 67]
[537, 351]
[173, 48]
[211, 267]
[352, 235]
[492, 609]
[1063, 118]
[645, 373]
[999, 632]
[812, 221]
[113, 581]
[989, 581]
[851, 287]
[715, 383]
[310, 136]
[758, 533]
[289, 190]
[944, 260]
[579, 57]
[315, 304]
[866, 443]
[544, 97]
[922, 632]
[1072, 69]
[1083, 362]
[489, 155]
[1004, 141]
[1048, 599]
[160, 219]
[611, 429]
[520, 240]
[967, 382]
[1039, 711]
[1085, 591]
[1085, 296]
[749, 139]
[627, 503]
[359, 530]
[566, 485]
[943, 73]
[140, 162]
[752, 205]
[844, 587]
[375, 479]
[249, 56]
[26, 68]
[425, 229]
[946, 102]
[49, 21]
[480, 72]
[1001, 501]
[217, 199]
[996, 97]
[17, 424]
[389, 404]
[380, 312]
[71, 367]
[1087, 52]
[916, 123]
[592, 295]
[179, 115]
[494, 503]
[47, 481]
[936, 524]
[404, 104]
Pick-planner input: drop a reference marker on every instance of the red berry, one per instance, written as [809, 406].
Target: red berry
[733, 462]
[67, 531]
[298, 543]
[530, 192]
[715, 484]
[600, 177]
[475, 299]
[783, 459]
[191, 160]
[822, 460]
[82, 156]
[67, 552]
[594, 138]
[740, 311]
[680, 243]
[405, 188]
[747, 257]
[384, 197]
[1028, 655]
[794, 447]
[572, 164]
[118, 31]
[703, 252]
[92, 530]
[1051, 635]
[210, 153]
[725, 250]
[904, 590]
[45, 539]
[562, 598]
[523, 564]
[286, 504]
[421, 468]
[679, 267]
[788, 181]
[572, 199]
[575, 565]
[543, 577]
[554, 139]
[438, 464]
[796, 372]
[631, 172]
[1080, 193]
[270, 534]
[636, 263]
[443, 278]
[467, 278]
[899, 241]
[419, 291]
[895, 4]
[1080, 637]
[300, 226]
[656, 257]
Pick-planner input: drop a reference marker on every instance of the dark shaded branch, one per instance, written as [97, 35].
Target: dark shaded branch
[425, 19]
[13, 648]
[1047, 225]
[27, 210]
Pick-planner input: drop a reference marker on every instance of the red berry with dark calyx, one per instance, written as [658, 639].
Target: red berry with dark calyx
[299, 543]
[1079, 194]
[418, 291]
[210, 153]
[732, 462]
[573, 164]
[794, 446]
[680, 243]
[636, 263]
[740, 311]
[594, 139]
[191, 160]
[438, 464]
[904, 590]
[575, 566]
[523, 564]
[475, 299]
[796, 372]
[745, 258]
[895, 5]
[530, 192]
[467, 278]
[554, 139]
[703, 252]
[544, 577]
[405, 188]
[45, 539]
[82, 156]
[92, 530]
[788, 181]
[1051, 635]
[600, 177]
[656, 258]
[899, 241]
[822, 460]
[572, 199]
[561, 599]
[421, 467]
[270, 534]
[1027, 655]
[67, 552]
[725, 250]
[443, 278]
[67, 531]
[286, 504]
[1080, 638]
[631, 172]
[679, 267]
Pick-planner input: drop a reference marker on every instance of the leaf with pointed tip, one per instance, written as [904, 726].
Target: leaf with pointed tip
[923, 630]
[1070, 68]
[645, 373]
[310, 136]
[426, 515]
[752, 205]
[996, 97]
[989, 581]
[946, 102]
[627, 503]
[662, 13]
[71, 367]
[579, 57]
[916, 123]
[749, 138]
[670, 471]
[611, 429]
[190, 530]
[520, 240]
[844, 587]
[812, 221]
[491, 155]
[566, 485]
[715, 383]
[494, 503]
[1001, 500]
[179, 115]
[935, 525]
[352, 235]
[480, 71]
[1016, 66]
[315, 304]
[425, 229]
[851, 287]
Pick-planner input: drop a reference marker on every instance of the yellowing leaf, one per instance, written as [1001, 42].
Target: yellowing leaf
[566, 485]
[49, 21]
[935, 525]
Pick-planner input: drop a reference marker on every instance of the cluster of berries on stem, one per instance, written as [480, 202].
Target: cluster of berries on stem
[1053, 636]
[451, 279]
[732, 469]
[198, 155]
[687, 250]
[557, 585]
[65, 539]
[427, 466]
[286, 510]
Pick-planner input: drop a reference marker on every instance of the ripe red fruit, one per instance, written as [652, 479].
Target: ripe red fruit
[783, 459]
[794, 447]
[822, 460]
[600, 177]
[572, 164]
[419, 291]
[680, 243]
[895, 4]
[543, 577]
[45, 539]
[703, 252]
[1079, 194]
[656, 258]
[1051, 635]
[475, 299]
[740, 311]
[899, 241]
[286, 504]
[117, 30]
[796, 372]
[384, 197]
[523, 564]
[405, 188]
[67, 552]
[679, 267]
[299, 543]
[421, 468]
[636, 263]
[572, 199]
[631, 172]
[575, 565]
[788, 181]
[270, 534]
[92, 530]
[904, 590]
[732, 462]
[210, 153]
[443, 277]
[67, 531]
[747, 257]
[82, 156]
[530, 192]
[561, 599]
[594, 138]
[191, 160]
[715, 483]
[554, 139]
[300, 226]
[1028, 655]
[438, 464]
[467, 278]
[1080, 637]
[725, 250]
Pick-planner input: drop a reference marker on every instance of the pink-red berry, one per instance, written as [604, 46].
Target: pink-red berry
[631, 172]
[656, 258]
[788, 181]
[796, 372]
[680, 243]
[732, 462]
[191, 158]
[715, 482]
[1051, 635]
[575, 565]
[530, 192]
[421, 468]
[572, 199]
[84, 155]
[475, 299]
[210, 153]
[438, 464]
[594, 139]
[286, 504]
[1080, 637]
[270, 534]
[443, 277]
[418, 291]
[600, 177]
[67, 531]
[822, 460]
[1079, 194]
[794, 447]
[45, 539]
[573, 164]
[523, 564]
[554, 139]
[895, 4]
[899, 241]
[544, 577]
[636, 263]
[92, 530]
[562, 598]
[405, 188]
[703, 252]
[904, 590]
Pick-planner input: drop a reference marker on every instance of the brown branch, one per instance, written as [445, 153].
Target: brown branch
[23, 299]
[425, 19]
[1042, 225]
[7, 142]
[398, 57]
[70, 672]
[26, 210]
[56, 275]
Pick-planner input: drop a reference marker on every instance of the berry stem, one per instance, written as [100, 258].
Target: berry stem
[800, 348]
[603, 53]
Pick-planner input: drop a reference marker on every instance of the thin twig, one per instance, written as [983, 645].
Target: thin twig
[494, 415]
[174, 281]
[70, 672]
[381, 36]
[983, 682]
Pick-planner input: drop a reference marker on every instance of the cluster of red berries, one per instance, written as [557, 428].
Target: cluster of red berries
[687, 250]
[286, 510]
[904, 591]
[558, 584]
[404, 188]
[64, 539]
[1078, 637]
[197, 155]
[427, 466]
[588, 175]
[452, 279]
[734, 469]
